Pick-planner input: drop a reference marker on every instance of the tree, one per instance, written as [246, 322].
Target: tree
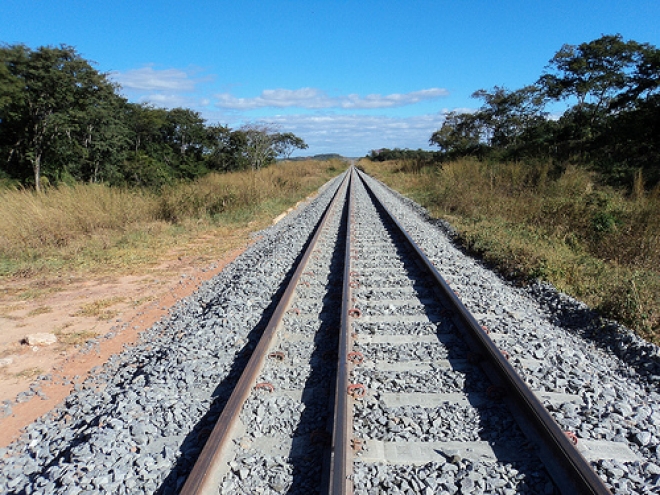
[186, 131]
[172, 143]
[259, 150]
[594, 73]
[605, 77]
[460, 134]
[99, 139]
[62, 120]
[509, 114]
[186, 134]
[218, 153]
[147, 126]
[57, 87]
[644, 82]
[612, 122]
[285, 143]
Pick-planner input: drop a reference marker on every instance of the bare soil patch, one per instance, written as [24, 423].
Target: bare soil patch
[77, 309]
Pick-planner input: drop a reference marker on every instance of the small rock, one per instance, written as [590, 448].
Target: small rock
[467, 485]
[642, 438]
[24, 397]
[623, 409]
[40, 339]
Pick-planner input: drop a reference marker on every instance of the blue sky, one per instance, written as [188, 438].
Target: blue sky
[346, 76]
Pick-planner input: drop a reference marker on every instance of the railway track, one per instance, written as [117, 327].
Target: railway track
[372, 377]
[332, 358]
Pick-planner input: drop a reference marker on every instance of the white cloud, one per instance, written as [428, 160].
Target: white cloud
[312, 98]
[356, 135]
[279, 98]
[149, 79]
[167, 88]
[167, 100]
[458, 110]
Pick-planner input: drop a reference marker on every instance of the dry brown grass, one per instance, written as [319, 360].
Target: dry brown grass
[533, 221]
[29, 373]
[40, 310]
[92, 227]
[33, 221]
[68, 339]
[233, 195]
[99, 308]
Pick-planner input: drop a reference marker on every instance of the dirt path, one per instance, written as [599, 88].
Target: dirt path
[77, 310]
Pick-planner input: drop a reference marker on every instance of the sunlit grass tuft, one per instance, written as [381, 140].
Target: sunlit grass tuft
[40, 310]
[28, 374]
[74, 338]
[99, 308]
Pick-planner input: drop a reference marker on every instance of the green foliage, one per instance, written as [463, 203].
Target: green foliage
[413, 161]
[461, 134]
[613, 123]
[63, 112]
[286, 143]
[595, 73]
[409, 160]
[325, 157]
[61, 121]
[603, 222]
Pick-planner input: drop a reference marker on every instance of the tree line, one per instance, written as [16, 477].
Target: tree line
[612, 123]
[61, 120]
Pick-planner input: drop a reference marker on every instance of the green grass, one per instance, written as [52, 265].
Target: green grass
[529, 221]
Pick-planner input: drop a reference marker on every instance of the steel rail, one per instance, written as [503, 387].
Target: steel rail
[204, 479]
[568, 468]
[340, 482]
